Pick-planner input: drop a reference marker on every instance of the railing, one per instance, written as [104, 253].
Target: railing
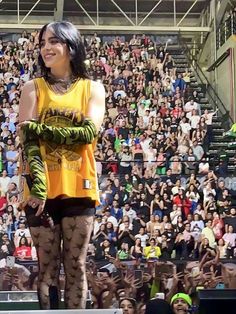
[226, 29]
[210, 92]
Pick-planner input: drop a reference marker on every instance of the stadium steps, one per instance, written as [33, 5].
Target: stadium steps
[221, 139]
[215, 152]
[203, 100]
[220, 144]
[218, 131]
[206, 106]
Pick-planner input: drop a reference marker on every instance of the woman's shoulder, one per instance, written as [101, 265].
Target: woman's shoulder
[96, 86]
[31, 85]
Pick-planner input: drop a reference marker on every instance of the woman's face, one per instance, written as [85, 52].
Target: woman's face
[180, 219]
[106, 243]
[205, 241]
[109, 225]
[165, 219]
[102, 227]
[22, 242]
[221, 242]
[138, 241]
[127, 307]
[180, 306]
[142, 309]
[54, 53]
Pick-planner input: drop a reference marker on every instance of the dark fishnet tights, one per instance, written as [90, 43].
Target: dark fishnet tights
[75, 232]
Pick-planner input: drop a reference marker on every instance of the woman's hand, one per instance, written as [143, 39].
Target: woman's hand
[35, 202]
[23, 123]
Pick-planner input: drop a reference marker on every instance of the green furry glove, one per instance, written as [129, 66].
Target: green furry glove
[34, 159]
[83, 134]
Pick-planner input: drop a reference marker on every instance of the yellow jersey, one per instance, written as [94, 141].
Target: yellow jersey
[70, 169]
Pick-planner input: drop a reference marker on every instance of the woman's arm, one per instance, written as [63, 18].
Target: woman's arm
[96, 104]
[28, 102]
[151, 208]
[28, 111]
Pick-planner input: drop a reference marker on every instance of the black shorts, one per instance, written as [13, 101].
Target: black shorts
[57, 208]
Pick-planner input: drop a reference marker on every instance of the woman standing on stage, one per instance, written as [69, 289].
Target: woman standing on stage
[60, 114]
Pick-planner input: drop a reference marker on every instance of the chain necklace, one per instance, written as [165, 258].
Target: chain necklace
[60, 86]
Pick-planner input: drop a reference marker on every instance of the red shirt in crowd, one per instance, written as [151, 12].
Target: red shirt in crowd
[23, 252]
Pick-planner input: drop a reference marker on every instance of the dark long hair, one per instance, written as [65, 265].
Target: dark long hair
[67, 33]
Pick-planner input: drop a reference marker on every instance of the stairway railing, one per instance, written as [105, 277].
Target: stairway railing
[210, 92]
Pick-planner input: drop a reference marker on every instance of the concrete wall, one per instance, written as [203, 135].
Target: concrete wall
[223, 78]
[207, 58]
[226, 76]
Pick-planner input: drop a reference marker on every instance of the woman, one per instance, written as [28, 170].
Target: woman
[123, 254]
[23, 251]
[100, 235]
[161, 162]
[154, 224]
[137, 154]
[128, 305]
[156, 206]
[193, 195]
[179, 227]
[196, 227]
[152, 252]
[65, 184]
[206, 248]
[190, 162]
[6, 246]
[217, 226]
[111, 233]
[208, 191]
[222, 248]
[136, 251]
[181, 303]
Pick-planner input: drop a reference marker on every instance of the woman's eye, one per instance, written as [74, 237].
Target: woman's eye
[54, 41]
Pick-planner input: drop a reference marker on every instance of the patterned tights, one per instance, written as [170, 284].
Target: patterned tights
[75, 232]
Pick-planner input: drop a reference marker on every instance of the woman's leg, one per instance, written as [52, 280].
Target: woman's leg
[48, 246]
[76, 235]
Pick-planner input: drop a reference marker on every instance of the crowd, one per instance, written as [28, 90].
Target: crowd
[154, 134]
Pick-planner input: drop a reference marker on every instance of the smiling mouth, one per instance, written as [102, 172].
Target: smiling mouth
[48, 56]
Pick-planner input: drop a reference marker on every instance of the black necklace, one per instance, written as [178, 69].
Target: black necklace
[58, 85]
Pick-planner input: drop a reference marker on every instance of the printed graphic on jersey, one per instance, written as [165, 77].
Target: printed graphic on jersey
[65, 156]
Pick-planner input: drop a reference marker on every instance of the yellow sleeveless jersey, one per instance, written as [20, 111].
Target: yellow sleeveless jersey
[70, 169]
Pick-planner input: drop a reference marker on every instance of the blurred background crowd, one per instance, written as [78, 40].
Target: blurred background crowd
[162, 203]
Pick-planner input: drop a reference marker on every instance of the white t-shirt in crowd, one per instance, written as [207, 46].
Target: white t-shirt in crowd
[4, 182]
[194, 120]
[143, 238]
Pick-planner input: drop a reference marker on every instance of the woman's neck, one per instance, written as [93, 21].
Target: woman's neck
[61, 73]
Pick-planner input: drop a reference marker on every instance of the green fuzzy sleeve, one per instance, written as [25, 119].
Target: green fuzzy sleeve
[83, 134]
[33, 156]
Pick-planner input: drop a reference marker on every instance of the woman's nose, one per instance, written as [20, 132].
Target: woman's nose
[47, 45]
